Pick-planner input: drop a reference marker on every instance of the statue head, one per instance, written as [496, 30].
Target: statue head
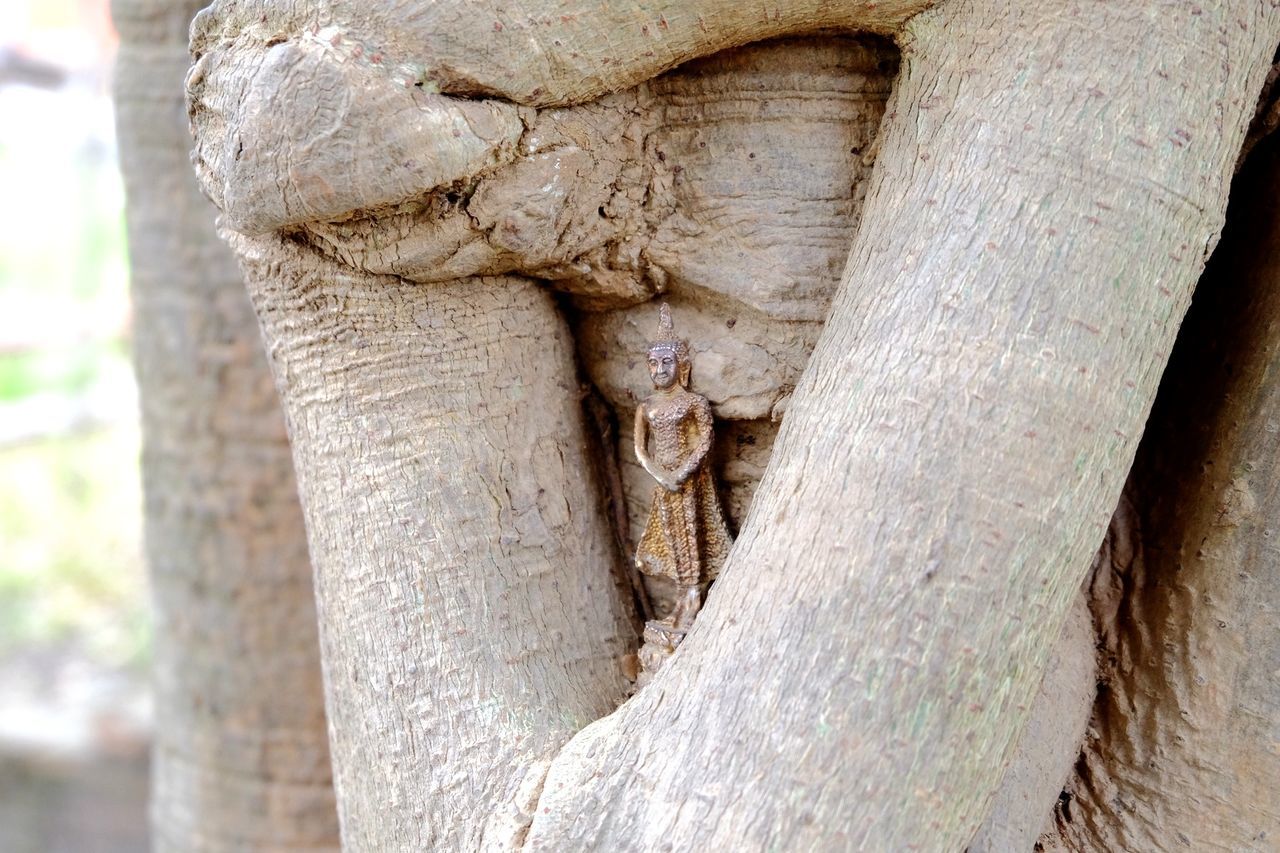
[668, 355]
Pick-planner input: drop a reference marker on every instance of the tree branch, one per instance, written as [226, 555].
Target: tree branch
[469, 622]
[390, 100]
[945, 470]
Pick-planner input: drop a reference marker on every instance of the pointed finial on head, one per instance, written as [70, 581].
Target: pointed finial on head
[666, 328]
[666, 338]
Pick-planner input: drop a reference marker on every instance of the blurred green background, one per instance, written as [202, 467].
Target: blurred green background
[74, 708]
[70, 573]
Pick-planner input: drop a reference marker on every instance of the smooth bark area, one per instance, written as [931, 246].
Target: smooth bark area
[1184, 751]
[240, 758]
[948, 464]
[1023, 806]
[465, 570]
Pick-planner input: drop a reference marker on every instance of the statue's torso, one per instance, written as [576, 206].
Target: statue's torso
[672, 426]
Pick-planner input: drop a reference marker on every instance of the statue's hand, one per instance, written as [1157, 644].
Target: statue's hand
[666, 479]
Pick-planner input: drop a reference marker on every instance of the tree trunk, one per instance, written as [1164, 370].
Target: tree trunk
[1049, 182]
[1183, 754]
[240, 758]
[947, 465]
[465, 568]
[1023, 806]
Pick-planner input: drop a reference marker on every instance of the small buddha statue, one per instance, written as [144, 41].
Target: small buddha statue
[685, 539]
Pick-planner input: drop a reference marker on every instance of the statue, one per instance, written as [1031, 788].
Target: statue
[685, 539]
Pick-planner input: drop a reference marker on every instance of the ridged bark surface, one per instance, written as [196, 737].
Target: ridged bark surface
[1049, 181]
[466, 573]
[951, 457]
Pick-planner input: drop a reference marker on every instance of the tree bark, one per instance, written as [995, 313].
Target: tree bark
[948, 464]
[1183, 752]
[378, 80]
[465, 568]
[240, 758]
[1041, 767]
[1049, 182]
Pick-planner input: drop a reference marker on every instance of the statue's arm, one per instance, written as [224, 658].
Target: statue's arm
[642, 453]
[642, 438]
[699, 451]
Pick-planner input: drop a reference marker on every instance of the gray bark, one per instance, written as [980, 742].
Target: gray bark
[1041, 767]
[949, 461]
[1048, 184]
[465, 569]
[1183, 747]
[240, 758]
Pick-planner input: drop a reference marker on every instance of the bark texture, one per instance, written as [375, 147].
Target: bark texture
[465, 567]
[1042, 763]
[381, 77]
[1011, 294]
[944, 473]
[1183, 752]
[241, 756]
[631, 147]
[753, 160]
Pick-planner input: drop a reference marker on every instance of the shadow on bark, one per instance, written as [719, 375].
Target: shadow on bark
[1188, 590]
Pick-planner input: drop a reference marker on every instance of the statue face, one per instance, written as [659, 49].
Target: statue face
[662, 368]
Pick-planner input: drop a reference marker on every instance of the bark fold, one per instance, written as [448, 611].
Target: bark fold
[392, 99]
[945, 471]
[1185, 731]
[465, 570]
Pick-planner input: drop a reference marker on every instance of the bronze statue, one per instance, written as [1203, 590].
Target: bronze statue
[685, 539]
